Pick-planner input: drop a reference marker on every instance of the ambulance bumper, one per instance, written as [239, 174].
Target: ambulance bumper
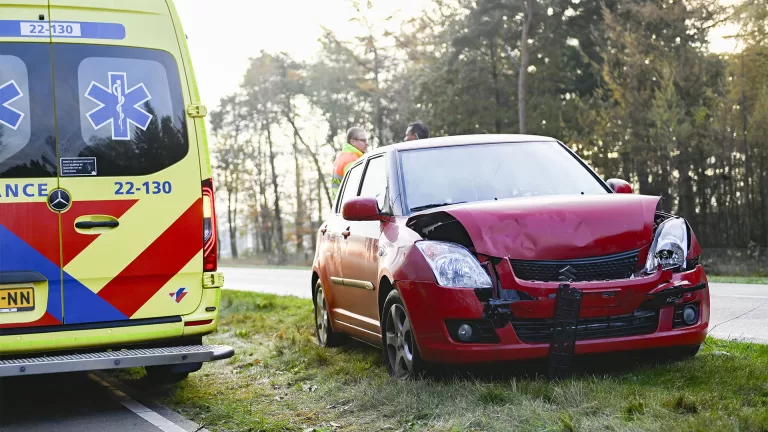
[114, 359]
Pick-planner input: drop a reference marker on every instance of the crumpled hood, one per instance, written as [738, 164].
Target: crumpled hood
[557, 227]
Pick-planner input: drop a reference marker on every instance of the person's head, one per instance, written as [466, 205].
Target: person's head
[357, 137]
[416, 130]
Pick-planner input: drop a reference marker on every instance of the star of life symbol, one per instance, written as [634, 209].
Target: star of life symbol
[10, 116]
[118, 105]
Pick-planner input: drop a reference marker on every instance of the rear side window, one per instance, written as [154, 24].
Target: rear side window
[120, 111]
[27, 143]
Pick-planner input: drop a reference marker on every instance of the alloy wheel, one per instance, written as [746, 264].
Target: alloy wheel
[321, 317]
[399, 341]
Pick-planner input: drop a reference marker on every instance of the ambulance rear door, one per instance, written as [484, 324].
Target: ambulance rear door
[30, 272]
[132, 239]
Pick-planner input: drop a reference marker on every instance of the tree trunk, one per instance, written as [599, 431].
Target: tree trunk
[495, 77]
[379, 113]
[257, 230]
[231, 219]
[278, 217]
[299, 220]
[522, 86]
[313, 155]
[747, 176]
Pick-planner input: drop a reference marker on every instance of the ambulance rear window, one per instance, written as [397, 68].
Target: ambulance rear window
[27, 143]
[122, 106]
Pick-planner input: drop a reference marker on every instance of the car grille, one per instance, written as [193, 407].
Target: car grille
[610, 267]
[640, 322]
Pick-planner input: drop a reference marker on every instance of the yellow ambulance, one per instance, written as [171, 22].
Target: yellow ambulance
[108, 249]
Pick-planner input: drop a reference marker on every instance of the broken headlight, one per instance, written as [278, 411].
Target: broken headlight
[453, 265]
[670, 246]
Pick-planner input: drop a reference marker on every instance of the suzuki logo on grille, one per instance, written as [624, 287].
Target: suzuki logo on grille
[568, 273]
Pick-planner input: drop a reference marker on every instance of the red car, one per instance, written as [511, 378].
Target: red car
[477, 248]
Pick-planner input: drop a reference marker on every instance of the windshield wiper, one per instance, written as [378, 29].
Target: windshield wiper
[429, 206]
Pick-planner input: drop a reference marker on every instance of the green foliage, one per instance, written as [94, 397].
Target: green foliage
[631, 85]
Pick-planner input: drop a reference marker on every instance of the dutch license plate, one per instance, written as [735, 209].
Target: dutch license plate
[17, 300]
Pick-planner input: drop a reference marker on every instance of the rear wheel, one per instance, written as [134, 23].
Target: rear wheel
[326, 337]
[171, 373]
[401, 354]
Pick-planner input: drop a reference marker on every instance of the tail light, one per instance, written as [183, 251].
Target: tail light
[209, 227]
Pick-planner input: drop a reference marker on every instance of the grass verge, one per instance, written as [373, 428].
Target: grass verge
[280, 380]
[738, 279]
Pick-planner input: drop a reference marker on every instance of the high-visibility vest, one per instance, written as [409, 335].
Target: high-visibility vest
[348, 155]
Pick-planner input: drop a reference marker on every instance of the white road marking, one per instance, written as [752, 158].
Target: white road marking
[147, 414]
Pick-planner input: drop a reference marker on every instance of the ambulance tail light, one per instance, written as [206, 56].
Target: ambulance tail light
[210, 262]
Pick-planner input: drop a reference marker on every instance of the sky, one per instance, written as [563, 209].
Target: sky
[224, 34]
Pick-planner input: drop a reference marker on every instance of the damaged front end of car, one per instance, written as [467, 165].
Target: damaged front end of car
[653, 295]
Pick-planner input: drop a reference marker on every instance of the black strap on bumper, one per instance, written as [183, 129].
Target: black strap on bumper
[567, 308]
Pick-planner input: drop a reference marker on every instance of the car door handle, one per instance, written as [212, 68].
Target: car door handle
[97, 224]
[345, 233]
[324, 230]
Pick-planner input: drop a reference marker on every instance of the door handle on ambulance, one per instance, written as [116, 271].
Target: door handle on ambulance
[96, 223]
[90, 224]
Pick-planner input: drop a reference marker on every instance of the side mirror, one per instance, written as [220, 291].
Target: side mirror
[361, 209]
[619, 186]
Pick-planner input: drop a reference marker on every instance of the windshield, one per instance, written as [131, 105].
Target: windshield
[451, 175]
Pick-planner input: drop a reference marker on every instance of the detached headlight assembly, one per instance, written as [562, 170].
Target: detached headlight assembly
[670, 246]
[453, 265]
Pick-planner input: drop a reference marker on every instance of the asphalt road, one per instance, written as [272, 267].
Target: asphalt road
[79, 402]
[728, 301]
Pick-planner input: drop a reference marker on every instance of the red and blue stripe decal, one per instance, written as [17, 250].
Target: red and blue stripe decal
[26, 246]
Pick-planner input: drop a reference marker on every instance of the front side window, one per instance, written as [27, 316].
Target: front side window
[120, 108]
[351, 186]
[27, 143]
[451, 175]
[375, 181]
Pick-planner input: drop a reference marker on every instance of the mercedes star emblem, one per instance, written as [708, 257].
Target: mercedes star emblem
[59, 200]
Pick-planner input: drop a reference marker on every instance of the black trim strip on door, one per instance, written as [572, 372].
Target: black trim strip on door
[88, 326]
[14, 277]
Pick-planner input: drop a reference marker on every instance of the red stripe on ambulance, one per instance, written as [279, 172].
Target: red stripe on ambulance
[160, 262]
[35, 224]
[46, 320]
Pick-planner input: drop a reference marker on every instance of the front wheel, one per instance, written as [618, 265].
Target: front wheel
[401, 354]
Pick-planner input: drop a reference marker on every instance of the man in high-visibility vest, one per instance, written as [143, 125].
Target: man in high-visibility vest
[357, 144]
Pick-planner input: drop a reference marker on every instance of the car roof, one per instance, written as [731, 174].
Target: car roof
[459, 140]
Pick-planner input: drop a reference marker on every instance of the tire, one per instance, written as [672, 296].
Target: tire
[171, 373]
[675, 354]
[401, 354]
[683, 353]
[326, 337]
